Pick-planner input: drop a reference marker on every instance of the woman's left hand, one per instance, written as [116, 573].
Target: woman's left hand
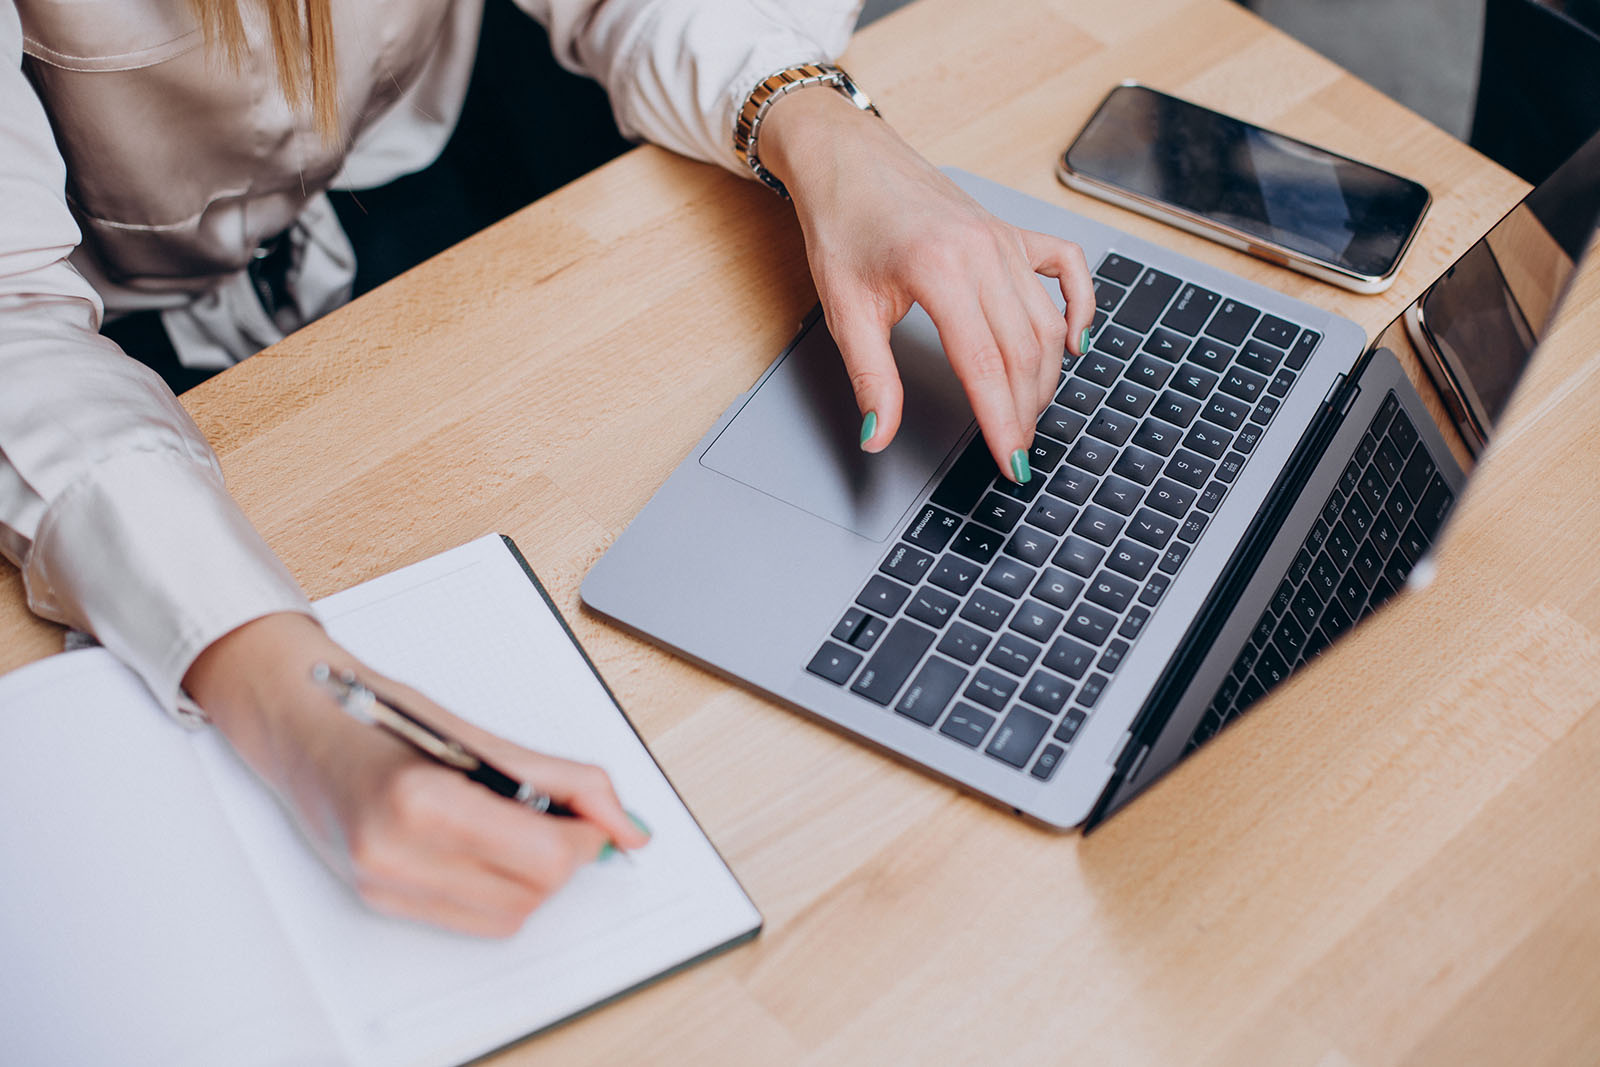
[883, 229]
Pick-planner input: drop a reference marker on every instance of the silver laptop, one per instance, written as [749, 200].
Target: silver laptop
[1227, 482]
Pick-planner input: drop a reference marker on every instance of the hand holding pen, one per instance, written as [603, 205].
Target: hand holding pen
[364, 705]
[413, 837]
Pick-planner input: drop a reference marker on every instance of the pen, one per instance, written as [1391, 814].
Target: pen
[358, 701]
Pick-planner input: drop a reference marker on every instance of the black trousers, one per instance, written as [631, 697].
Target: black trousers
[527, 128]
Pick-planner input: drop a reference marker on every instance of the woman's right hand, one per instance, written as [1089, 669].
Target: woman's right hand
[413, 838]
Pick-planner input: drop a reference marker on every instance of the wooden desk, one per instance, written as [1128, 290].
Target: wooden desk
[1395, 858]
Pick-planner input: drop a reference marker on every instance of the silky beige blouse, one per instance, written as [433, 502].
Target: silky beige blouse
[140, 171]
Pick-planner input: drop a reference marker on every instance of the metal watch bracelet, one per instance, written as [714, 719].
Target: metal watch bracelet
[747, 127]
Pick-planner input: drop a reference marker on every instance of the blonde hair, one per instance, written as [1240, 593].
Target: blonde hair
[302, 44]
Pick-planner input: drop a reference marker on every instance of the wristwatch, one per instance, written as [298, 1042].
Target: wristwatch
[747, 126]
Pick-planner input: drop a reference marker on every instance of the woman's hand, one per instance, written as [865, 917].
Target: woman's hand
[884, 229]
[414, 838]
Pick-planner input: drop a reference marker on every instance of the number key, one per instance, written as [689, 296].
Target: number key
[1090, 624]
[1208, 439]
[1226, 411]
[1112, 591]
[1132, 559]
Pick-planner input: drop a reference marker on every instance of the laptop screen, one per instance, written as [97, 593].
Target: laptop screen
[1476, 327]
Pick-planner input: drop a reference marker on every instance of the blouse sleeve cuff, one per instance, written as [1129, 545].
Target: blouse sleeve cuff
[151, 555]
[687, 73]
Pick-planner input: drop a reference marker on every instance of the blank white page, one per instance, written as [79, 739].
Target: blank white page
[131, 928]
[468, 628]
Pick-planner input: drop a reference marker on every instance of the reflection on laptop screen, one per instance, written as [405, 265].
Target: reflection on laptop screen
[1476, 327]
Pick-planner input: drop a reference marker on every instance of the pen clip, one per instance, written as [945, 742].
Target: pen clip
[361, 703]
[355, 699]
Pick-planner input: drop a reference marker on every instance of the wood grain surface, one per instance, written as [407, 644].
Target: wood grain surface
[1394, 859]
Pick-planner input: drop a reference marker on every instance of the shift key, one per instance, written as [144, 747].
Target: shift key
[887, 670]
[1018, 736]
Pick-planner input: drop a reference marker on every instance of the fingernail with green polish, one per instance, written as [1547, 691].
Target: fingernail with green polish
[1083, 341]
[1019, 466]
[608, 849]
[869, 426]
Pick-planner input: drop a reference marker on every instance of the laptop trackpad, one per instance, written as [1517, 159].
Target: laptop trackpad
[798, 437]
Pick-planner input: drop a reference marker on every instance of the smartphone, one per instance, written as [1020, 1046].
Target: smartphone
[1476, 326]
[1286, 201]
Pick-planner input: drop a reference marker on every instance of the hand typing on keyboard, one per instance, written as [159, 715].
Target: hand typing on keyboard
[1006, 609]
[884, 229]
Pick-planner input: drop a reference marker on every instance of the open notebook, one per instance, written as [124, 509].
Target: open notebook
[156, 905]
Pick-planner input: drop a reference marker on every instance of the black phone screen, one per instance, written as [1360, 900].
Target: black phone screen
[1260, 183]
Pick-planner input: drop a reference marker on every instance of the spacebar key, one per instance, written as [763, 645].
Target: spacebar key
[887, 670]
[967, 478]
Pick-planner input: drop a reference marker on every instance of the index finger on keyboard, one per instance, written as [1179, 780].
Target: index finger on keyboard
[975, 354]
[1063, 261]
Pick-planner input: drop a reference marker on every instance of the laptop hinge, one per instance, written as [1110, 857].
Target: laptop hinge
[1138, 761]
[1332, 398]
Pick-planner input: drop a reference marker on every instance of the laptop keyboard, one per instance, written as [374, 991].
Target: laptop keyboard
[1381, 518]
[1002, 611]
